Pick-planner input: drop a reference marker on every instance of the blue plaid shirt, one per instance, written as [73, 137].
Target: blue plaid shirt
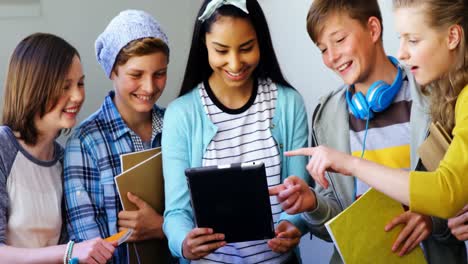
[92, 160]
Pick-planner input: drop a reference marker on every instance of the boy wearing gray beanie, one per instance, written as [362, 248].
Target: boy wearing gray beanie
[133, 50]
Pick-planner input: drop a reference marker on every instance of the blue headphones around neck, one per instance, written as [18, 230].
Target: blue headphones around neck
[379, 96]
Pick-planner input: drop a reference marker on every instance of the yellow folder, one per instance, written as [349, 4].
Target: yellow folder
[359, 235]
[142, 176]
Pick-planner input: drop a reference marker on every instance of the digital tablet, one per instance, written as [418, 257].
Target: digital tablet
[233, 200]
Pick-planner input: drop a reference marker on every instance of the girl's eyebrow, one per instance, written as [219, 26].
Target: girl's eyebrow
[81, 78]
[241, 45]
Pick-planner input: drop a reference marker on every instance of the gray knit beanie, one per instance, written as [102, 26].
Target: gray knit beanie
[127, 26]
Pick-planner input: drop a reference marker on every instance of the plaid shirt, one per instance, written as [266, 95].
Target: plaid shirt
[92, 160]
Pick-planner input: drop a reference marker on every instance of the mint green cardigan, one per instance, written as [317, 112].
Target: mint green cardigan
[186, 134]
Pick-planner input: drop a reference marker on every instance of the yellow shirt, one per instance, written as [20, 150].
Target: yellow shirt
[444, 192]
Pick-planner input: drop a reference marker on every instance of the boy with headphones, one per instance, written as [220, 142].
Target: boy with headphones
[378, 114]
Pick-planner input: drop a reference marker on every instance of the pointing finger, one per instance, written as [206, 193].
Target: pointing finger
[300, 152]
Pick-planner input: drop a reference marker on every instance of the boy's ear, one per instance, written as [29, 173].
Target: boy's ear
[113, 74]
[454, 36]
[375, 28]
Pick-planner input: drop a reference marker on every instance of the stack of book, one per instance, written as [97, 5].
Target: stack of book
[142, 175]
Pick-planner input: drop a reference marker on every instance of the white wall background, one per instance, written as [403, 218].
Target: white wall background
[81, 21]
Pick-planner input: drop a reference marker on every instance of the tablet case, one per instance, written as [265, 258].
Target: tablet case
[232, 200]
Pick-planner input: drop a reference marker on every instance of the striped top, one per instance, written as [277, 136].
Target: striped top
[388, 136]
[244, 136]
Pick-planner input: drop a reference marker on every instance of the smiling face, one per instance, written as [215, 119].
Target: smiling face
[348, 47]
[139, 83]
[63, 114]
[233, 51]
[424, 49]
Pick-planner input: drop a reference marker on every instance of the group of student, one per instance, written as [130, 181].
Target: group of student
[236, 106]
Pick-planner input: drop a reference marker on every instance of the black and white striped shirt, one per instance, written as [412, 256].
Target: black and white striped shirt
[244, 136]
